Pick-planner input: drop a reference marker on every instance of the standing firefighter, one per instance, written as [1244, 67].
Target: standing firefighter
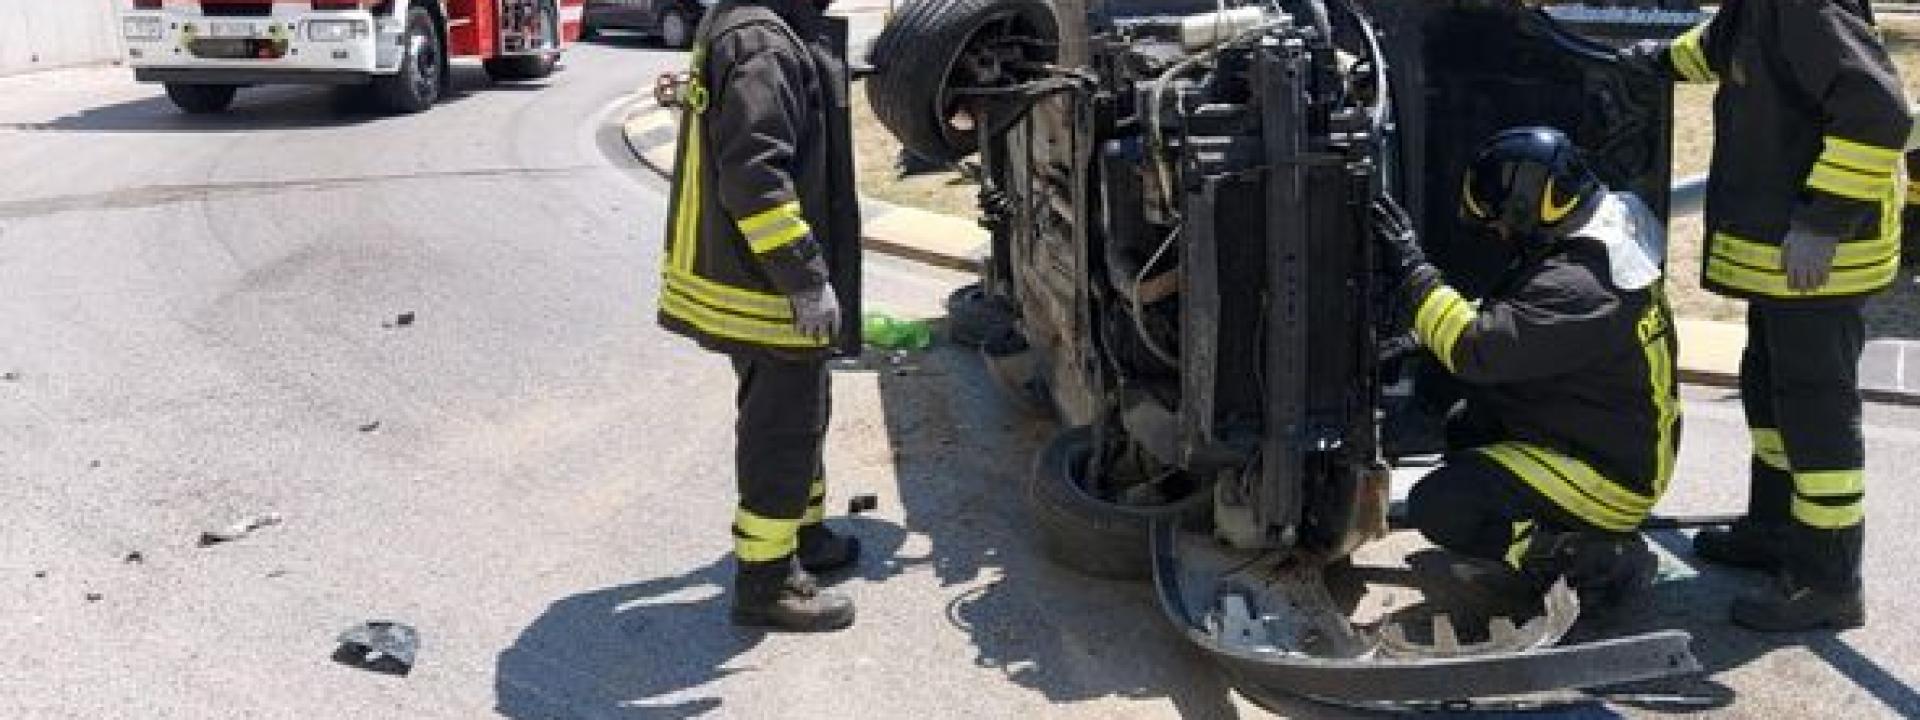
[1803, 221]
[1567, 437]
[762, 265]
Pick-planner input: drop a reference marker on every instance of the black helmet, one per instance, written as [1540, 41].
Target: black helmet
[1530, 181]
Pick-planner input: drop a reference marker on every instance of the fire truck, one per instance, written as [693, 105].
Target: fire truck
[395, 51]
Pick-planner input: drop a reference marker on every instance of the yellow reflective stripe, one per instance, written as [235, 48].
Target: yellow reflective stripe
[732, 327]
[1830, 483]
[1442, 318]
[686, 216]
[818, 493]
[1689, 58]
[1760, 256]
[739, 300]
[769, 217]
[1572, 485]
[816, 504]
[1654, 329]
[1828, 517]
[1771, 449]
[1842, 281]
[759, 539]
[1860, 157]
[774, 228]
[1521, 543]
[1849, 184]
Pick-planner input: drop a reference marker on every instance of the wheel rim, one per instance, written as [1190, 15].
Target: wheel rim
[426, 63]
[673, 29]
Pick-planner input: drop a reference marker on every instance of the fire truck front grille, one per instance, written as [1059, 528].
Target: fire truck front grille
[236, 8]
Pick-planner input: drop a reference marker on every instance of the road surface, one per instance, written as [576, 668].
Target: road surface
[200, 319]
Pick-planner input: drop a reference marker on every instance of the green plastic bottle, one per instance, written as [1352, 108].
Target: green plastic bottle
[885, 331]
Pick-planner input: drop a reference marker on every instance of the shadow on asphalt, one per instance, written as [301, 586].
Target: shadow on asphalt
[1696, 601]
[277, 107]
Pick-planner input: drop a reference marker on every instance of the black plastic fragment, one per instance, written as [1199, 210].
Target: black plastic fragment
[379, 646]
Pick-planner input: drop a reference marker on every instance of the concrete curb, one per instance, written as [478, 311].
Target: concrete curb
[1709, 350]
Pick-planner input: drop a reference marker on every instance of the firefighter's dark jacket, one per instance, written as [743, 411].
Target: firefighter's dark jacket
[764, 204]
[1577, 373]
[1809, 126]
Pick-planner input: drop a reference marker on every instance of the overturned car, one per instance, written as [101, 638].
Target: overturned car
[1180, 195]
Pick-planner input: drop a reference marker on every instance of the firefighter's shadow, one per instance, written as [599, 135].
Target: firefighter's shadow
[960, 452]
[650, 649]
[1694, 597]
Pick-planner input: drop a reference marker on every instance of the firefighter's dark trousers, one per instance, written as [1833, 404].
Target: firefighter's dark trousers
[1799, 381]
[782, 426]
[1472, 506]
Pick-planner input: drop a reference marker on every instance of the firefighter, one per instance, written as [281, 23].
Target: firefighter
[1567, 436]
[762, 265]
[1803, 222]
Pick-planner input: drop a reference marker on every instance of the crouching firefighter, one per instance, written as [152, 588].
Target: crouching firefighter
[762, 265]
[1567, 437]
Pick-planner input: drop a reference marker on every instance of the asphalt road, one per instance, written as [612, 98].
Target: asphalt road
[200, 317]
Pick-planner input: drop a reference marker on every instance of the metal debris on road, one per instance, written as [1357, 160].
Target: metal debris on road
[403, 320]
[94, 597]
[135, 558]
[370, 427]
[40, 574]
[239, 529]
[379, 646]
[862, 503]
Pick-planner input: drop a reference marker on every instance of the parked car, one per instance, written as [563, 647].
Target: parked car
[672, 21]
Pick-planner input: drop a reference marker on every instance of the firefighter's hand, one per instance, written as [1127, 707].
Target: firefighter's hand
[1807, 257]
[816, 312]
[1399, 245]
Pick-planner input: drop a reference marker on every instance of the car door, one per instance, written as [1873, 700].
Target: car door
[1462, 72]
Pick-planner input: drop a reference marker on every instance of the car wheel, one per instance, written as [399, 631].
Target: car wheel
[931, 46]
[676, 29]
[196, 99]
[417, 86]
[1076, 530]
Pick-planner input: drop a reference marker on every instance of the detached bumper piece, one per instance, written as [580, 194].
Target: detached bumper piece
[1277, 630]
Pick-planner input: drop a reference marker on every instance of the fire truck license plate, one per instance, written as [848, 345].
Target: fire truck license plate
[230, 30]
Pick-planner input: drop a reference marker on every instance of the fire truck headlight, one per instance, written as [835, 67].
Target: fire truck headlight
[141, 28]
[336, 30]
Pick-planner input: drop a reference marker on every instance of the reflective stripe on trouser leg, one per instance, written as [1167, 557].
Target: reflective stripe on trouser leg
[762, 539]
[1769, 486]
[1521, 542]
[1813, 353]
[777, 438]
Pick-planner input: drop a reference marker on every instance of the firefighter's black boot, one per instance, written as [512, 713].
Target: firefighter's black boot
[1475, 591]
[778, 595]
[1610, 573]
[823, 551]
[1792, 606]
[1744, 544]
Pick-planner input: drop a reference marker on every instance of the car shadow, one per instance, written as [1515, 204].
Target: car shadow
[274, 107]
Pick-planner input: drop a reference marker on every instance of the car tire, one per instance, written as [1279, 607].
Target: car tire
[198, 99]
[676, 28]
[417, 85]
[916, 56]
[1075, 530]
[974, 315]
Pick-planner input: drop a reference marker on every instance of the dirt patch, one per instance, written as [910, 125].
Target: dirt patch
[877, 156]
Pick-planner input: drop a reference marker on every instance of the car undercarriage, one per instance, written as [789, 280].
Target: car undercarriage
[1182, 196]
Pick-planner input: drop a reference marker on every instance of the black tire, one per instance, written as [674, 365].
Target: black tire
[520, 67]
[417, 85]
[197, 99]
[916, 55]
[1077, 531]
[676, 28]
[973, 316]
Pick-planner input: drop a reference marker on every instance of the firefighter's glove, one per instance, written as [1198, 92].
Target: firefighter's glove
[1807, 256]
[1400, 252]
[816, 311]
[1646, 58]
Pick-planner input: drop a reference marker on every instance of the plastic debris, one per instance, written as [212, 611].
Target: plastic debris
[370, 427]
[9, 376]
[135, 558]
[862, 503]
[239, 529]
[40, 574]
[94, 597]
[379, 646]
[402, 320]
[885, 331]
